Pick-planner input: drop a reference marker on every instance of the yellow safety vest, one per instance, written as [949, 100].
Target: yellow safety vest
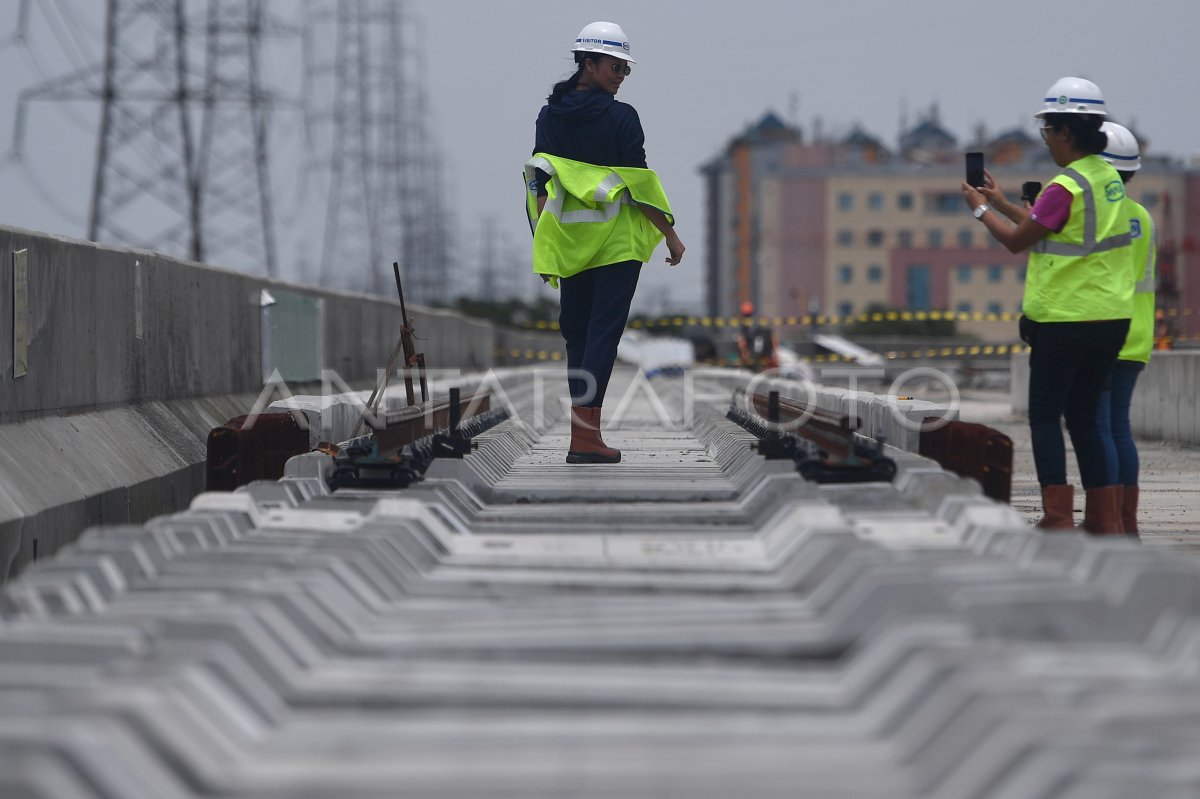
[1144, 249]
[1082, 274]
[591, 216]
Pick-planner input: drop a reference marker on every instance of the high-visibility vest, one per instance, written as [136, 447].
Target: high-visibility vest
[1082, 273]
[1144, 249]
[591, 217]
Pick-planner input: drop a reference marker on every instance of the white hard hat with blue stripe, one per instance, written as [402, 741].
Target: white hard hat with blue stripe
[1073, 96]
[1123, 151]
[603, 37]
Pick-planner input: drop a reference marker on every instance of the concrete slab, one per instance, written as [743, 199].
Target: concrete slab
[1169, 512]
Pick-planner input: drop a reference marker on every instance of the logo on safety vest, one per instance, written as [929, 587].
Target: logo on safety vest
[1135, 228]
[533, 185]
[1114, 190]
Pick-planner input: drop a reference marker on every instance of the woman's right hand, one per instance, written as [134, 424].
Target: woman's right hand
[675, 248]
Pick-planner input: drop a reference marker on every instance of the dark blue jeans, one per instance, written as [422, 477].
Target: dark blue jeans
[593, 310]
[1069, 367]
[1112, 419]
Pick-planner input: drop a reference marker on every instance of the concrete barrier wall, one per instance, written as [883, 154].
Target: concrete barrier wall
[132, 357]
[1164, 402]
[112, 325]
[60, 475]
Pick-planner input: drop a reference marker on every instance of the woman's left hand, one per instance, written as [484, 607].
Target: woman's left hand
[973, 196]
[675, 249]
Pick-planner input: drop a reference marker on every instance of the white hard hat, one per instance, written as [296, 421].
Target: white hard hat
[1122, 151]
[603, 37]
[1073, 96]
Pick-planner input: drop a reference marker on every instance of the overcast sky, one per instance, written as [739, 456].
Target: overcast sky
[706, 69]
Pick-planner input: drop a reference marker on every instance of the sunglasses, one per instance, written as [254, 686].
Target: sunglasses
[621, 69]
[1043, 130]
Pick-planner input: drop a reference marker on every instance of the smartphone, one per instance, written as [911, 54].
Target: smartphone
[975, 170]
[1030, 190]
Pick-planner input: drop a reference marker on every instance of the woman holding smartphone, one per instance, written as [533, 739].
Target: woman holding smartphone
[1078, 298]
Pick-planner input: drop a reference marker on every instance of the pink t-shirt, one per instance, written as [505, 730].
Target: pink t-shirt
[1053, 208]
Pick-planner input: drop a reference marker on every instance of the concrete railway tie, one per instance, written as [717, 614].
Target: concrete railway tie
[695, 621]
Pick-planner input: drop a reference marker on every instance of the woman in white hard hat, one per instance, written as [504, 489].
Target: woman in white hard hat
[1124, 153]
[589, 156]
[1078, 298]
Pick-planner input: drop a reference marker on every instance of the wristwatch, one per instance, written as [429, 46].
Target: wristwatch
[981, 210]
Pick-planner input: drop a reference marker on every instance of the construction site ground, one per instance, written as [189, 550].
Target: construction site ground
[1169, 513]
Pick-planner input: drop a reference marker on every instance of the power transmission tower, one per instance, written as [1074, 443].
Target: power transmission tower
[366, 110]
[428, 260]
[146, 176]
[165, 180]
[350, 249]
[235, 181]
[394, 193]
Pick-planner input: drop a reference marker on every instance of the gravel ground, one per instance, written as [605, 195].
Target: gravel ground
[1169, 511]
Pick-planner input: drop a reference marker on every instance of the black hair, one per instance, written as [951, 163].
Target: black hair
[1125, 175]
[565, 87]
[1084, 128]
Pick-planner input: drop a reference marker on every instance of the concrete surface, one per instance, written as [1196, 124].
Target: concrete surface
[1169, 512]
[1164, 404]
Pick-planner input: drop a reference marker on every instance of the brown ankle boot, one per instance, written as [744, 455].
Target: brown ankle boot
[1129, 508]
[1102, 514]
[586, 444]
[1058, 508]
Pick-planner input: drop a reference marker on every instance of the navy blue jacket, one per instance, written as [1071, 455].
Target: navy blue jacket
[590, 126]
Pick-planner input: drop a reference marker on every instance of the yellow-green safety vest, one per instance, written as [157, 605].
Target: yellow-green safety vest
[1082, 273]
[591, 216]
[1143, 249]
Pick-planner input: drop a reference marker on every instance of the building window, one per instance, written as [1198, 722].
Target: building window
[845, 309]
[964, 273]
[964, 307]
[995, 273]
[875, 201]
[904, 238]
[875, 238]
[995, 308]
[845, 273]
[918, 289]
[944, 202]
[846, 201]
[845, 237]
[875, 274]
[966, 237]
[935, 238]
[904, 201]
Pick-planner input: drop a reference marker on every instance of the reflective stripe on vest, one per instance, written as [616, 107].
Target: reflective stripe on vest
[555, 204]
[1147, 281]
[1084, 272]
[1089, 245]
[1140, 340]
[591, 216]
